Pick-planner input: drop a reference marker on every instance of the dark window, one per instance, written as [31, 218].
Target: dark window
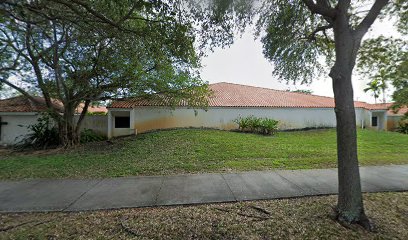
[122, 122]
[374, 121]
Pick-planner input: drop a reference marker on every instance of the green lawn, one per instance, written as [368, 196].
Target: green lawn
[195, 150]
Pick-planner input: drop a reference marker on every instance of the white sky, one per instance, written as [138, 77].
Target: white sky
[244, 63]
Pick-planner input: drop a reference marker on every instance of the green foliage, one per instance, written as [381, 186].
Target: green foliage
[77, 51]
[96, 113]
[385, 61]
[89, 135]
[41, 135]
[403, 125]
[287, 41]
[304, 91]
[375, 87]
[265, 126]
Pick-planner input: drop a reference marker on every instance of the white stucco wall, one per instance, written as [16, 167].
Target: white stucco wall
[150, 118]
[16, 126]
[116, 132]
[381, 120]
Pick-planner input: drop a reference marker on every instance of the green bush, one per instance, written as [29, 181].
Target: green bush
[89, 135]
[266, 126]
[403, 125]
[41, 135]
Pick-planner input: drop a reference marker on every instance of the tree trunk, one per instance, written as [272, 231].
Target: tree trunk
[67, 129]
[350, 208]
[350, 201]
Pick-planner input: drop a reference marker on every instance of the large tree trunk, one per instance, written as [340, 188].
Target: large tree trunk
[350, 208]
[67, 130]
[350, 202]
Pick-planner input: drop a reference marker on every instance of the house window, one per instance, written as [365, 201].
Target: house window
[122, 122]
[374, 121]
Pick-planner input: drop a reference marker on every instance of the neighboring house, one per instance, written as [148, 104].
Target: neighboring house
[230, 101]
[16, 114]
[19, 112]
[393, 117]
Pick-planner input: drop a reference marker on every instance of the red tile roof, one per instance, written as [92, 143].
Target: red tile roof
[91, 109]
[24, 104]
[403, 110]
[236, 95]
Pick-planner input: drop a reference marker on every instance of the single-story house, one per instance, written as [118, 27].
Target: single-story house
[230, 101]
[17, 113]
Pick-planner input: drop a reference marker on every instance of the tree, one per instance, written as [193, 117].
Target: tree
[375, 87]
[83, 51]
[296, 36]
[385, 59]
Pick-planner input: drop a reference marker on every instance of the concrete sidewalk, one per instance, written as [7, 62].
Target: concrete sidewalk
[78, 195]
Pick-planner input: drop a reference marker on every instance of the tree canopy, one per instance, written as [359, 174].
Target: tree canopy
[83, 50]
[385, 58]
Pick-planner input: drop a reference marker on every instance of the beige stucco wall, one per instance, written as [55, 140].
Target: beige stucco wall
[98, 123]
[150, 118]
[393, 122]
[16, 126]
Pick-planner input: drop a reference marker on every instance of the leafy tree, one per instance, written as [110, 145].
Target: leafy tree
[375, 87]
[385, 59]
[301, 38]
[83, 51]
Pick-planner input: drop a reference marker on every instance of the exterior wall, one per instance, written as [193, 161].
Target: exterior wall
[382, 120]
[98, 123]
[16, 126]
[150, 118]
[17, 123]
[392, 122]
[116, 132]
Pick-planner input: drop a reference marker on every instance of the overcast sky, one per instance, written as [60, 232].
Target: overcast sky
[244, 63]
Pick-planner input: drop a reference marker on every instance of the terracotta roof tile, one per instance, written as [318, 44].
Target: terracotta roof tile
[24, 104]
[91, 109]
[236, 95]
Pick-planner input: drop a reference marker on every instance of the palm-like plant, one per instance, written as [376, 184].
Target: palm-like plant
[374, 86]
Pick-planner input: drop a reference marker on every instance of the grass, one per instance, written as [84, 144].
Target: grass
[195, 150]
[301, 218]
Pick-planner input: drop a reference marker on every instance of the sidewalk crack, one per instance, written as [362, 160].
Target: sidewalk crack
[232, 193]
[298, 186]
[80, 196]
[158, 192]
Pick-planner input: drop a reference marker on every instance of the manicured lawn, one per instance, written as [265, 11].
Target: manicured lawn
[195, 150]
[302, 218]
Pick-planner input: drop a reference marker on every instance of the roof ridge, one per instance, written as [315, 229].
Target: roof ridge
[278, 90]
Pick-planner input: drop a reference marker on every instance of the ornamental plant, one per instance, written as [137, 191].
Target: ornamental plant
[265, 126]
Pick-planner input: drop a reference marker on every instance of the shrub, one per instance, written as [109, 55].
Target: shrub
[89, 135]
[269, 126]
[42, 135]
[266, 126]
[403, 125]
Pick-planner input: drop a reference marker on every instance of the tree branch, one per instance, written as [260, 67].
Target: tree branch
[321, 7]
[312, 36]
[82, 115]
[369, 19]
[343, 5]
[19, 89]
